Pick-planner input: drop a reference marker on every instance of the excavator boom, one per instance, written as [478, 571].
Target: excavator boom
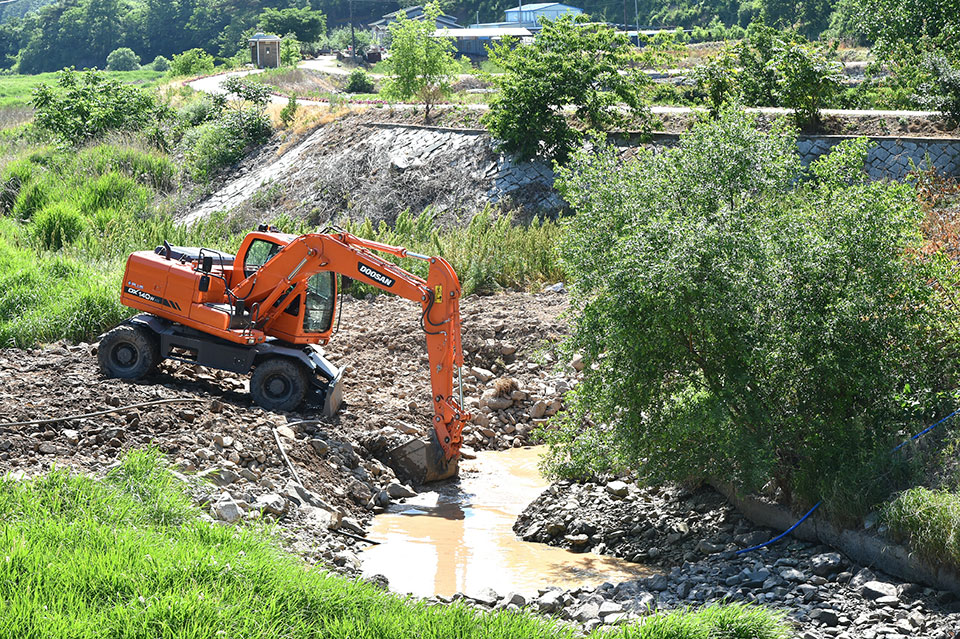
[269, 307]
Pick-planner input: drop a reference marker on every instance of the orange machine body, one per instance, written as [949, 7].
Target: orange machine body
[283, 286]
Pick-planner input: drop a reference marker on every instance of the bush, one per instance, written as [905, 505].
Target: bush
[743, 325]
[290, 55]
[930, 520]
[123, 59]
[224, 142]
[192, 62]
[942, 93]
[204, 109]
[341, 39]
[161, 64]
[86, 105]
[808, 76]
[13, 177]
[289, 112]
[359, 82]
[57, 225]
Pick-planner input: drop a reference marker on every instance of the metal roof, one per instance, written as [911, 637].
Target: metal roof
[501, 32]
[264, 36]
[540, 5]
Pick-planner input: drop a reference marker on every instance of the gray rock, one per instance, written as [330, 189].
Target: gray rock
[826, 616]
[617, 488]
[71, 436]
[550, 601]
[516, 599]
[577, 541]
[792, 574]
[396, 490]
[587, 612]
[538, 409]
[826, 563]
[874, 590]
[487, 597]
[320, 446]
[659, 583]
[709, 548]
[219, 476]
[862, 577]
[227, 509]
[608, 608]
[271, 503]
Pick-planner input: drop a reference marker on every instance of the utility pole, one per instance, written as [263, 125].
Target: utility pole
[519, 12]
[625, 15]
[636, 18]
[353, 34]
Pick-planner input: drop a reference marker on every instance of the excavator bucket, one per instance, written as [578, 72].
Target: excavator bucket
[423, 460]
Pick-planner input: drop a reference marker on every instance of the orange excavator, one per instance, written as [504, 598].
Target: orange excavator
[269, 308]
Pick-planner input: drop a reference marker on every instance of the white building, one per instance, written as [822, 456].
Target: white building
[531, 14]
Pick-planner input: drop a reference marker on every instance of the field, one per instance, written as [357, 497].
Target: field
[15, 90]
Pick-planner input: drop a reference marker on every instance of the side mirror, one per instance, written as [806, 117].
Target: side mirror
[207, 265]
[204, 285]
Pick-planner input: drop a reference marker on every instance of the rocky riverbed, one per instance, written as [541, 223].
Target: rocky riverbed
[693, 535]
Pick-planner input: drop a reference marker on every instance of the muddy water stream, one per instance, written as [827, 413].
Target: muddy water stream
[461, 539]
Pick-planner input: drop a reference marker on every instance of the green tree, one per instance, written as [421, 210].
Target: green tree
[807, 77]
[85, 105]
[572, 64]
[161, 64]
[123, 59]
[741, 324]
[192, 62]
[719, 79]
[305, 24]
[290, 55]
[341, 39]
[420, 65]
[809, 17]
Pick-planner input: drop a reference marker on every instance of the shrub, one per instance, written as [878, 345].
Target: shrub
[87, 105]
[942, 92]
[930, 520]
[718, 79]
[543, 79]
[57, 225]
[289, 112]
[192, 62]
[123, 59]
[341, 39]
[743, 325]
[290, 54]
[807, 77]
[222, 143]
[204, 109]
[161, 64]
[359, 82]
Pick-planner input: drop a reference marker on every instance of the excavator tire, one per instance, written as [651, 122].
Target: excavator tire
[423, 461]
[128, 352]
[279, 384]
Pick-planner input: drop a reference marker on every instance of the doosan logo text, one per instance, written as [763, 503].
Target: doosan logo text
[376, 276]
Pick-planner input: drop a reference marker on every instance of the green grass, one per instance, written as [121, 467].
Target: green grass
[129, 556]
[16, 89]
[930, 521]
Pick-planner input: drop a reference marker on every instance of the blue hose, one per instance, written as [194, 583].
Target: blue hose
[817, 505]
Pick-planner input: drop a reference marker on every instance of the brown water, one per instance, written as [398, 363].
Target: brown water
[461, 538]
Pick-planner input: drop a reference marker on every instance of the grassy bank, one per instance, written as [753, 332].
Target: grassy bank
[16, 89]
[129, 556]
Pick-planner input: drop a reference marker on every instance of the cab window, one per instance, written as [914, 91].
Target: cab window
[320, 297]
[258, 254]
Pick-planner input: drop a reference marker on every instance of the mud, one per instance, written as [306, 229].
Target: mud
[460, 538]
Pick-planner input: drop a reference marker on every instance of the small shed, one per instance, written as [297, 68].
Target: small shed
[265, 51]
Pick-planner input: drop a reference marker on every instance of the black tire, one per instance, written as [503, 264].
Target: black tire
[279, 384]
[128, 352]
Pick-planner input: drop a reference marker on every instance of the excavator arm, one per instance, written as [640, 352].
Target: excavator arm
[285, 275]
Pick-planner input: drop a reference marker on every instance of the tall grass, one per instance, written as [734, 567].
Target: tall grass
[15, 90]
[929, 520]
[489, 254]
[129, 556]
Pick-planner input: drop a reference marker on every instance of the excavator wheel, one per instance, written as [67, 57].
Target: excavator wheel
[279, 384]
[424, 460]
[128, 352]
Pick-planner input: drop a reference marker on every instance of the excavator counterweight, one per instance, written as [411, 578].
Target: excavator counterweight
[269, 309]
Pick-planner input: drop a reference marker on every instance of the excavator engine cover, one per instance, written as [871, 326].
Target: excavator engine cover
[423, 460]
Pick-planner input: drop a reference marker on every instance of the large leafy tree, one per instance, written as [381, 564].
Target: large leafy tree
[573, 67]
[304, 23]
[743, 322]
[421, 65]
